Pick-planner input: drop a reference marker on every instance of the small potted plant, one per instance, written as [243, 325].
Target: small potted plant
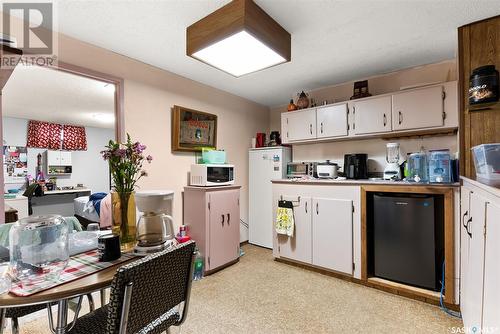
[126, 167]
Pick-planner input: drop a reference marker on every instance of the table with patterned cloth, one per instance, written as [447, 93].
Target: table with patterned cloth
[78, 266]
[83, 275]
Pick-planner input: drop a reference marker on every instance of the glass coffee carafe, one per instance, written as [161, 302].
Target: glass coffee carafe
[155, 230]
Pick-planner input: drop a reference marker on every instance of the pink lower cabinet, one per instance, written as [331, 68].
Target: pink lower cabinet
[212, 215]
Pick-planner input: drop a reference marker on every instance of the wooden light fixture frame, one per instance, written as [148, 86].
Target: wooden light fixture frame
[237, 16]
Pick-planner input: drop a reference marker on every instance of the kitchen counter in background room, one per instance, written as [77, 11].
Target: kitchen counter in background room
[60, 201]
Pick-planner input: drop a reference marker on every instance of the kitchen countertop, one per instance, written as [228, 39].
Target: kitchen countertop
[488, 188]
[365, 182]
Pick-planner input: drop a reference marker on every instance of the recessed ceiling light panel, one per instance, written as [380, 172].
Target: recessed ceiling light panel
[239, 38]
[239, 54]
[105, 118]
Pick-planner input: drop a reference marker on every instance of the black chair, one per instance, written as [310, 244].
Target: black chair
[30, 192]
[146, 295]
[14, 313]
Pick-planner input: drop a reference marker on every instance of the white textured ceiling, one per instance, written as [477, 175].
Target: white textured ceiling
[44, 94]
[332, 41]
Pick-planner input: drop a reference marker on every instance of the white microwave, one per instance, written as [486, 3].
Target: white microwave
[210, 175]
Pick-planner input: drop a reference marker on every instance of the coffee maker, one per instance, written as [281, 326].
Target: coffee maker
[155, 228]
[355, 166]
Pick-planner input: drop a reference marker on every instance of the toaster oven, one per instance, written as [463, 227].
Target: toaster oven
[300, 169]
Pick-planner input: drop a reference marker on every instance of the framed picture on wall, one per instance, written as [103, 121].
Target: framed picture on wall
[193, 130]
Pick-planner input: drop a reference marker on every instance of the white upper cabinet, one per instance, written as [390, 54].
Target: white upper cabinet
[417, 109]
[331, 121]
[434, 107]
[372, 115]
[65, 158]
[299, 125]
[58, 158]
[53, 158]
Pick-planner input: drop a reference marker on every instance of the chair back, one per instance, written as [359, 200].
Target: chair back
[30, 190]
[159, 282]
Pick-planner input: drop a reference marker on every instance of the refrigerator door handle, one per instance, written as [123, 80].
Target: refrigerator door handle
[306, 207]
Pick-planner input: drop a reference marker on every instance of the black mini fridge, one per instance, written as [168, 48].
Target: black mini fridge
[408, 238]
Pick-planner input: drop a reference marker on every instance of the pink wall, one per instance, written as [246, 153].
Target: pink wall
[150, 93]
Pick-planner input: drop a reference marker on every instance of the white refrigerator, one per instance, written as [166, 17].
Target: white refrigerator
[266, 164]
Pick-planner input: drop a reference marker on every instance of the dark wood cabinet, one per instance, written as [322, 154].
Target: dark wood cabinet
[478, 45]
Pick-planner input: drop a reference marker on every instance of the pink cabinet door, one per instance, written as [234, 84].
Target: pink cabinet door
[224, 227]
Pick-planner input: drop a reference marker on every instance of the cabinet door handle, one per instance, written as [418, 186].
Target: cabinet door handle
[463, 219]
[306, 207]
[385, 120]
[228, 218]
[400, 117]
[317, 208]
[311, 128]
[467, 228]
[222, 220]
[321, 127]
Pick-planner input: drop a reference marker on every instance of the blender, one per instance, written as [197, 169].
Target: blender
[392, 171]
[155, 230]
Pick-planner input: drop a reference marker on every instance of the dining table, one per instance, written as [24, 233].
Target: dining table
[60, 295]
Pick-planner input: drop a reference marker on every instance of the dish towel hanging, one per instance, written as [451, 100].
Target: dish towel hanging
[285, 221]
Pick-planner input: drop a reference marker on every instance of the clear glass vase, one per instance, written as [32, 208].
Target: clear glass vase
[124, 219]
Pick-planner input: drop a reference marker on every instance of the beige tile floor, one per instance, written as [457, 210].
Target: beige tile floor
[259, 295]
